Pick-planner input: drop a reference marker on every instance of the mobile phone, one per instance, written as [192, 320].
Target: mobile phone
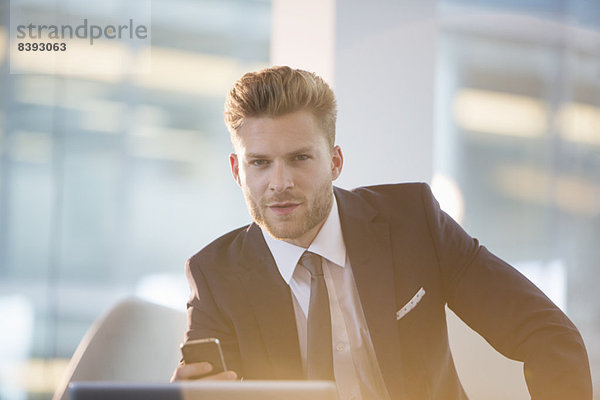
[208, 350]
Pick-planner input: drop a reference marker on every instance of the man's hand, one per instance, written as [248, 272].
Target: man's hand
[200, 370]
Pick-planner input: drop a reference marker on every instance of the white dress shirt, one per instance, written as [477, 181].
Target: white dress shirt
[356, 370]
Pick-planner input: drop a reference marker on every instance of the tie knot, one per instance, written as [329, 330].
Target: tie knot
[312, 262]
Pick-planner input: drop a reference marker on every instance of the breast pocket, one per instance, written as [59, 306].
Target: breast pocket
[411, 304]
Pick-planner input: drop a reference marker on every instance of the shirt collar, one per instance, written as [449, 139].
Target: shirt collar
[329, 244]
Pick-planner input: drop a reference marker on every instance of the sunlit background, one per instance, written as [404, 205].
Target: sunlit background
[108, 182]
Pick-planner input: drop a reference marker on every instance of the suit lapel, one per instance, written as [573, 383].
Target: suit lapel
[369, 248]
[271, 302]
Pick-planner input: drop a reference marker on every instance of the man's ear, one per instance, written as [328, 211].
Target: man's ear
[235, 167]
[337, 162]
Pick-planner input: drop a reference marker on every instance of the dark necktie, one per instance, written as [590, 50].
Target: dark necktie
[320, 354]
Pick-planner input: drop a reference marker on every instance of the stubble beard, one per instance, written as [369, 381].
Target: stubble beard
[292, 226]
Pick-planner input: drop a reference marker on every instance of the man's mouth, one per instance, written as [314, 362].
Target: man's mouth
[283, 208]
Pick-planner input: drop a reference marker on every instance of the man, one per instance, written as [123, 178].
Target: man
[352, 285]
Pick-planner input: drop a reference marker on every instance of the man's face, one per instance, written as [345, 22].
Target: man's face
[285, 169]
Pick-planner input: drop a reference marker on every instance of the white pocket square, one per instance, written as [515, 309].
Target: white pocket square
[411, 304]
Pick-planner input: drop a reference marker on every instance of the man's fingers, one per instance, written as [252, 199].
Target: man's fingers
[198, 371]
[191, 371]
[222, 376]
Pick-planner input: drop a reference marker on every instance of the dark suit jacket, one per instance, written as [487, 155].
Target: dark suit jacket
[398, 241]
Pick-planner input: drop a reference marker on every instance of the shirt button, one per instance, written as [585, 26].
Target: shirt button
[340, 347]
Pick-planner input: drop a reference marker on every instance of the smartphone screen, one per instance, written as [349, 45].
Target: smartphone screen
[208, 350]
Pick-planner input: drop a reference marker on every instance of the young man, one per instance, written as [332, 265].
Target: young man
[352, 285]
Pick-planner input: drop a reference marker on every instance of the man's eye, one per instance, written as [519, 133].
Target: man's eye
[258, 163]
[301, 157]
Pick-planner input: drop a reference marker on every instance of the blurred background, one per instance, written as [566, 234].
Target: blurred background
[109, 182]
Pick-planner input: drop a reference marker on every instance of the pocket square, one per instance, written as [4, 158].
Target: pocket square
[411, 304]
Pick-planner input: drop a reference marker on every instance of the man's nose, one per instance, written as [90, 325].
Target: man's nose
[281, 178]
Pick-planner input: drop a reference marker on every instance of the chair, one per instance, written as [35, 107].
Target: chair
[136, 341]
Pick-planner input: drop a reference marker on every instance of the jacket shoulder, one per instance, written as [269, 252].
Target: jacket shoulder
[219, 251]
[382, 192]
[395, 199]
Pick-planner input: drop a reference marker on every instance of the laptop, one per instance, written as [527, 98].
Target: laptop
[213, 390]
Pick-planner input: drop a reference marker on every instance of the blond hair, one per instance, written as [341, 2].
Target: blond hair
[276, 91]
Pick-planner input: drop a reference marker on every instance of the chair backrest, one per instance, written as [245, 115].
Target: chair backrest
[483, 372]
[135, 341]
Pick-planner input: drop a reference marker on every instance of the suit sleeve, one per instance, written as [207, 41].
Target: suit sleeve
[206, 319]
[509, 311]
